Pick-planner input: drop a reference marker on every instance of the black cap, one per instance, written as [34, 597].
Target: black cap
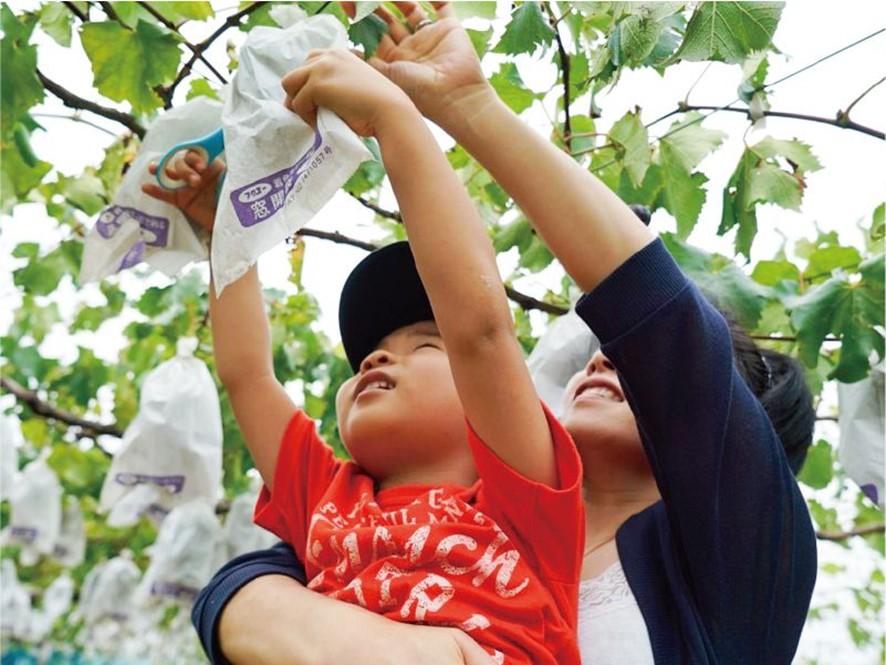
[383, 293]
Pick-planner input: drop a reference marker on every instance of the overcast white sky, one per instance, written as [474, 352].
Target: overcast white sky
[846, 190]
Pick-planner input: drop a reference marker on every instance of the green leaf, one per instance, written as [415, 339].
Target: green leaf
[684, 193]
[536, 256]
[769, 184]
[176, 11]
[41, 276]
[770, 273]
[20, 89]
[18, 178]
[201, 88]
[479, 9]
[851, 311]
[579, 77]
[55, 20]
[368, 176]
[796, 152]
[367, 33]
[825, 260]
[510, 88]
[526, 31]
[630, 134]
[128, 64]
[689, 142]
[516, 234]
[479, 39]
[85, 192]
[729, 31]
[818, 468]
[639, 33]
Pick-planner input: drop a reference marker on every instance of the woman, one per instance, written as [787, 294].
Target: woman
[699, 548]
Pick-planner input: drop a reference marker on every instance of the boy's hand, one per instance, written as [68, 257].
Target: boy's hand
[435, 65]
[340, 81]
[198, 199]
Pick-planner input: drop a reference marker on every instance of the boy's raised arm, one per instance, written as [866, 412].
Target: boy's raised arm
[241, 340]
[453, 254]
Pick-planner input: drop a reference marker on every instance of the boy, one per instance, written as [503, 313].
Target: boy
[406, 529]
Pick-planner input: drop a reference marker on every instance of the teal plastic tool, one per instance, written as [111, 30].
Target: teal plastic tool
[211, 146]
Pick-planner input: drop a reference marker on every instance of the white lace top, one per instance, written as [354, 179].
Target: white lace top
[611, 630]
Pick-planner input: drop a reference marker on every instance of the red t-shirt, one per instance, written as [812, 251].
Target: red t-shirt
[500, 559]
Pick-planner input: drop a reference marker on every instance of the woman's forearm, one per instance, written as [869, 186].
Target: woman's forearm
[587, 227]
[274, 620]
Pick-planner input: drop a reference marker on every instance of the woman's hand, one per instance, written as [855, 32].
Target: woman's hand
[273, 620]
[197, 200]
[436, 65]
[340, 81]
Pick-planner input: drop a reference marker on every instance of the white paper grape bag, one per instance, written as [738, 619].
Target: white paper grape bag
[137, 227]
[15, 604]
[57, 599]
[280, 170]
[172, 451]
[36, 511]
[242, 534]
[10, 439]
[188, 550]
[566, 346]
[108, 589]
[70, 547]
[861, 432]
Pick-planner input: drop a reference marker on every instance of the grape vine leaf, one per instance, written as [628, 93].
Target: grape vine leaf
[759, 178]
[630, 135]
[638, 36]
[55, 20]
[818, 468]
[20, 89]
[848, 309]
[128, 64]
[729, 31]
[511, 89]
[367, 33]
[526, 31]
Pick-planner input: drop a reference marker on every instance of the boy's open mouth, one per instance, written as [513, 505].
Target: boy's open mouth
[373, 380]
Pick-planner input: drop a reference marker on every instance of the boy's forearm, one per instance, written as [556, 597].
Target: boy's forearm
[241, 336]
[442, 223]
[587, 227]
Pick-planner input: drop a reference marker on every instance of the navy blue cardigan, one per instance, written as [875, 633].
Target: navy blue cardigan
[724, 565]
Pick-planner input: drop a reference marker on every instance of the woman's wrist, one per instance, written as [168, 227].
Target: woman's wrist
[463, 116]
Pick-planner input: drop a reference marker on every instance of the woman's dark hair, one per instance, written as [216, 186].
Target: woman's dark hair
[778, 382]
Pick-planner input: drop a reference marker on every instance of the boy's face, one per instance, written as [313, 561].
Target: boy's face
[401, 411]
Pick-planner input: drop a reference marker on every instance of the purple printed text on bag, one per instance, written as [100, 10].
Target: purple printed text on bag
[154, 229]
[25, 534]
[260, 200]
[173, 590]
[173, 483]
[133, 256]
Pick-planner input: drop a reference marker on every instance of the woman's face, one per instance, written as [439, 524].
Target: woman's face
[596, 413]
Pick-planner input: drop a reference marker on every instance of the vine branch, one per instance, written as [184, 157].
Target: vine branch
[524, 301]
[845, 535]
[389, 214]
[232, 21]
[193, 48]
[565, 69]
[845, 114]
[840, 120]
[46, 410]
[71, 100]
[72, 7]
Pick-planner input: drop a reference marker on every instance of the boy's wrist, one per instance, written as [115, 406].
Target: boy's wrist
[399, 115]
